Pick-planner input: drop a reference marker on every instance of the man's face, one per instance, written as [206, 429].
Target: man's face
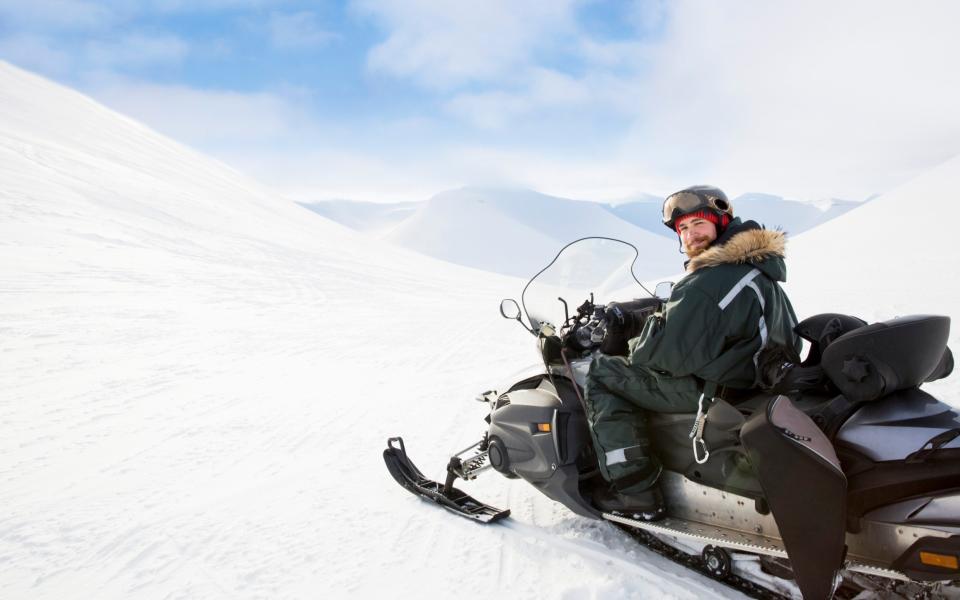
[696, 235]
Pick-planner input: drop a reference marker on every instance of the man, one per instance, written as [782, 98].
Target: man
[705, 340]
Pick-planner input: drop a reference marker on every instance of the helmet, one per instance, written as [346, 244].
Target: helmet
[694, 199]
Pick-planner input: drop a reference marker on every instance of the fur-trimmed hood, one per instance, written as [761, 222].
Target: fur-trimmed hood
[755, 246]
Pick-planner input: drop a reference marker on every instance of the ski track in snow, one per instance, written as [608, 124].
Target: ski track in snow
[198, 380]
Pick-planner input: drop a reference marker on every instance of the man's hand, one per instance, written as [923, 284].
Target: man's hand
[618, 320]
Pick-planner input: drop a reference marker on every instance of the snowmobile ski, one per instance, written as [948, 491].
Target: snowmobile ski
[447, 496]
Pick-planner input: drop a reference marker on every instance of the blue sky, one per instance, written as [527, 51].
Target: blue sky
[599, 99]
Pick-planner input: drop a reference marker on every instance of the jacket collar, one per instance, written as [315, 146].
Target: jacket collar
[742, 243]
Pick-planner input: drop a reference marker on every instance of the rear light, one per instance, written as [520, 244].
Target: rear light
[931, 559]
[945, 561]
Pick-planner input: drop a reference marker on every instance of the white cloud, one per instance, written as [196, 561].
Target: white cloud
[36, 53]
[625, 57]
[204, 119]
[808, 100]
[393, 174]
[444, 45]
[47, 54]
[48, 16]
[573, 175]
[298, 30]
[546, 91]
[134, 50]
[326, 172]
[56, 15]
[647, 15]
[197, 6]
[811, 99]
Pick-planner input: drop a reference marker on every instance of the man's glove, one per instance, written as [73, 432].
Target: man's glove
[618, 320]
[621, 326]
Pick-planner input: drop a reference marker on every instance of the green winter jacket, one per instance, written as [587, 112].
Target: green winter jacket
[726, 309]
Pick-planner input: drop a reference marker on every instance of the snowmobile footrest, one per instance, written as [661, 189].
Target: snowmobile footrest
[447, 496]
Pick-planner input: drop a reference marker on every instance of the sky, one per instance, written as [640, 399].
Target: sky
[393, 100]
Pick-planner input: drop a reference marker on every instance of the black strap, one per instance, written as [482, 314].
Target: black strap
[831, 416]
[935, 443]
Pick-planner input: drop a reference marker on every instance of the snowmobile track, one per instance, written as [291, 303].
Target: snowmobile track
[695, 563]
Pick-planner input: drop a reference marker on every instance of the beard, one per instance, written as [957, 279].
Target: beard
[697, 246]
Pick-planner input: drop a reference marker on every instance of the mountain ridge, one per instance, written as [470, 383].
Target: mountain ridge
[440, 226]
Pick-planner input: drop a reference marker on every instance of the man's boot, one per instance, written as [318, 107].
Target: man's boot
[646, 505]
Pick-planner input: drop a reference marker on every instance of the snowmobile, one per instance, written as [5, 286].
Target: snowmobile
[851, 486]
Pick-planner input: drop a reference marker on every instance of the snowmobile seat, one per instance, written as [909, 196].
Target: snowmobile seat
[920, 460]
[873, 361]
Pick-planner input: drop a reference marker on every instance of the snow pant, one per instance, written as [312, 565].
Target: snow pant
[618, 398]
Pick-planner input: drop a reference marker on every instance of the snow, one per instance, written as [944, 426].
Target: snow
[199, 377]
[899, 248]
[368, 217]
[508, 231]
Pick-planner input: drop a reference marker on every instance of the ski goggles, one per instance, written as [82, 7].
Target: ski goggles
[682, 203]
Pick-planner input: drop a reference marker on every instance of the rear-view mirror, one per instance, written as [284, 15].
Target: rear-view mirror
[510, 309]
[663, 290]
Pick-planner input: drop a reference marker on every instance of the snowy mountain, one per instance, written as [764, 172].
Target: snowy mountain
[509, 231]
[791, 216]
[199, 377]
[517, 232]
[458, 225]
[366, 217]
[771, 211]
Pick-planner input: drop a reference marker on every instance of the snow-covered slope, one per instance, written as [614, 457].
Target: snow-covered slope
[898, 252]
[198, 379]
[517, 232]
[369, 217]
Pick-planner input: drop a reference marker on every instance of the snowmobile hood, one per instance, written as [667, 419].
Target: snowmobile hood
[746, 243]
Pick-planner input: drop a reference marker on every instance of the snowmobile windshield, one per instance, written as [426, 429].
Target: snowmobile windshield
[599, 266]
